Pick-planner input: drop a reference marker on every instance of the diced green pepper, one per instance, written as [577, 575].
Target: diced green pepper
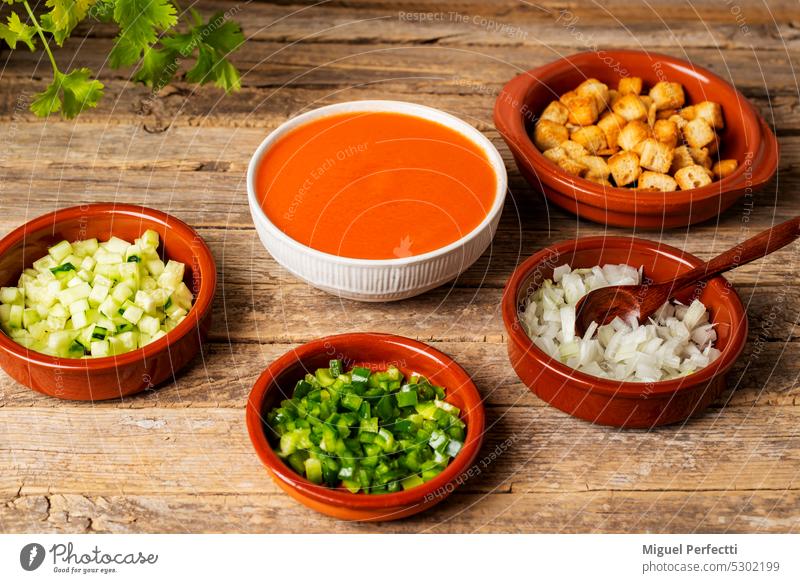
[406, 398]
[352, 401]
[314, 470]
[360, 375]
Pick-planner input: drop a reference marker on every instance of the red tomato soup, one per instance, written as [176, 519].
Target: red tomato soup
[375, 185]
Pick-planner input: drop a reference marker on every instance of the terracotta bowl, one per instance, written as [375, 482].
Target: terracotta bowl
[607, 402]
[746, 137]
[376, 351]
[110, 377]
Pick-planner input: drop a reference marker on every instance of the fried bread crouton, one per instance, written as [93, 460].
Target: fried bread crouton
[624, 167]
[611, 123]
[666, 132]
[595, 89]
[633, 133]
[692, 177]
[548, 134]
[657, 181]
[725, 168]
[630, 85]
[667, 95]
[631, 108]
[698, 133]
[556, 112]
[583, 109]
[590, 137]
[654, 155]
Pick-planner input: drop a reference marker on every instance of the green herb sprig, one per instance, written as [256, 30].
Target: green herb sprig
[151, 38]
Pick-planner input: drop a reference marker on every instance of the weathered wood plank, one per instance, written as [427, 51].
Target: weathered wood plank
[179, 105]
[172, 451]
[340, 65]
[482, 24]
[729, 511]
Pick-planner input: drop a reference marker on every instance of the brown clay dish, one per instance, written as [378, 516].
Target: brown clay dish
[608, 402]
[377, 351]
[746, 138]
[109, 377]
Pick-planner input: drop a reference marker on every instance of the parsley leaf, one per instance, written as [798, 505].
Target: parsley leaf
[213, 41]
[140, 22]
[158, 67]
[147, 36]
[69, 93]
[63, 17]
[17, 31]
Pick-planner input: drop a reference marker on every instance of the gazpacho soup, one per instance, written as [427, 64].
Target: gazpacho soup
[375, 185]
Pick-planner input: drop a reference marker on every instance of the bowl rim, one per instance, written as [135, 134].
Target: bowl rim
[361, 501]
[391, 106]
[200, 307]
[508, 111]
[628, 389]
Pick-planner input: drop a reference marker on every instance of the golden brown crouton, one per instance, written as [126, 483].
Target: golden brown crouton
[582, 109]
[574, 150]
[698, 133]
[647, 100]
[678, 121]
[596, 167]
[595, 89]
[624, 167]
[630, 85]
[555, 154]
[725, 168]
[556, 112]
[590, 137]
[633, 133]
[631, 108]
[710, 112]
[702, 157]
[611, 123]
[713, 146]
[651, 115]
[681, 158]
[688, 113]
[668, 95]
[548, 134]
[654, 155]
[613, 95]
[657, 181]
[572, 166]
[666, 132]
[692, 177]
[666, 113]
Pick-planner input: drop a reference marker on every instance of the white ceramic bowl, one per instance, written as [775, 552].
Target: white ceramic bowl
[375, 280]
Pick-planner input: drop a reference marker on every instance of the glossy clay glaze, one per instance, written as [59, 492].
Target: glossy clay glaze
[746, 137]
[125, 374]
[378, 350]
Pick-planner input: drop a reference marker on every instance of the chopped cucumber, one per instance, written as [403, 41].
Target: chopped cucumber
[91, 298]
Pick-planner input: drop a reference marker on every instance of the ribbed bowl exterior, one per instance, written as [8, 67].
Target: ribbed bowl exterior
[374, 282]
[378, 280]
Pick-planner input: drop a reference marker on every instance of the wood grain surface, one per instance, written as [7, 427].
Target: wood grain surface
[177, 459]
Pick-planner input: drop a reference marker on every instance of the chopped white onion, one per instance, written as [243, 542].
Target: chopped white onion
[678, 340]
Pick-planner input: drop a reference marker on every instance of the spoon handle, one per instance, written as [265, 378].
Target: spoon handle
[754, 248]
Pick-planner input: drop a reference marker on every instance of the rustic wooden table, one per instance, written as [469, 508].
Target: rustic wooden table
[177, 459]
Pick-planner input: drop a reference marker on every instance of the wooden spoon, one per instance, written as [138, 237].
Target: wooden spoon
[604, 304]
